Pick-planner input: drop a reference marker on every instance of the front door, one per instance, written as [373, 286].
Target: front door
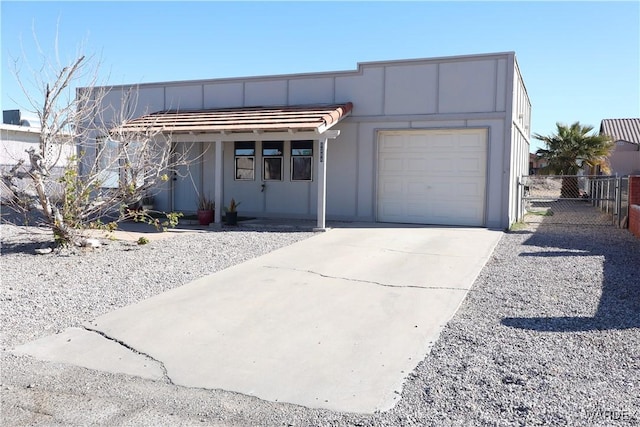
[273, 175]
[187, 179]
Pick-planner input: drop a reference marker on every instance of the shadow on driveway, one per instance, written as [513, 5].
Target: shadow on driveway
[619, 304]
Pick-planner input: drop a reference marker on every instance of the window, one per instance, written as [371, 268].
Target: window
[108, 161]
[245, 152]
[272, 153]
[301, 160]
[133, 172]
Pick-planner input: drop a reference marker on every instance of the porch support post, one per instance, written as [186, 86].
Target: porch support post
[217, 217]
[322, 183]
[322, 176]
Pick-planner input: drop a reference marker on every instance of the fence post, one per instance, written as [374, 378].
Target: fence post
[520, 195]
[634, 205]
[618, 201]
[609, 198]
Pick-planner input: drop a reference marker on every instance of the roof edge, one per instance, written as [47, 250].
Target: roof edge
[360, 66]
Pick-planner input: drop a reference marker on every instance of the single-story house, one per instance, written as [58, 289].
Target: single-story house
[20, 132]
[425, 141]
[536, 164]
[625, 157]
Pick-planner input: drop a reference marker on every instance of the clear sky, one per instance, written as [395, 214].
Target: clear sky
[580, 60]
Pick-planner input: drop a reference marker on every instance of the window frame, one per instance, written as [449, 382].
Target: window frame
[272, 150]
[244, 150]
[264, 168]
[302, 150]
[108, 162]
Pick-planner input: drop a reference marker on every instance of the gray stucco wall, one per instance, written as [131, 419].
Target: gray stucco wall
[478, 91]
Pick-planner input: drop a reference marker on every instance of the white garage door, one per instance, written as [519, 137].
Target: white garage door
[432, 177]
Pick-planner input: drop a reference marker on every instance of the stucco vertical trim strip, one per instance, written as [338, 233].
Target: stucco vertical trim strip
[217, 218]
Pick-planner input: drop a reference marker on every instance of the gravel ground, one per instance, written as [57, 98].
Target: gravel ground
[549, 335]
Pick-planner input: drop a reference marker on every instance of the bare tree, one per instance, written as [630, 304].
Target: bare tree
[112, 168]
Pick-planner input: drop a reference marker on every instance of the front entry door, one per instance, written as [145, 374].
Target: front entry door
[187, 179]
[273, 175]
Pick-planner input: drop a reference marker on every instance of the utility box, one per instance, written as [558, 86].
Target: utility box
[11, 117]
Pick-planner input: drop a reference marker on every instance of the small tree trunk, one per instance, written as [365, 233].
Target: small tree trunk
[569, 189]
[64, 235]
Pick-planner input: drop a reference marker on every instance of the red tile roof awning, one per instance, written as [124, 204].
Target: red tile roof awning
[305, 118]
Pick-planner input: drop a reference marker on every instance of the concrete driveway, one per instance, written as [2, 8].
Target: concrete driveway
[336, 321]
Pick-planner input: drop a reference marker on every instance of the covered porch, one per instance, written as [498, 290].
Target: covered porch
[240, 129]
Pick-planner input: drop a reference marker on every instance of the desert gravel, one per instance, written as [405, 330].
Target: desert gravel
[548, 335]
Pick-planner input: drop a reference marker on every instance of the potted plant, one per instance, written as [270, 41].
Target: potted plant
[205, 210]
[231, 216]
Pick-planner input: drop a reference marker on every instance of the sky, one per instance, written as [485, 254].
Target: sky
[580, 60]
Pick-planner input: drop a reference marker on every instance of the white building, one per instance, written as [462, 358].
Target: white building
[19, 133]
[427, 141]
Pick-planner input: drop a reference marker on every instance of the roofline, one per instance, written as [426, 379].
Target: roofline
[622, 118]
[359, 70]
[620, 136]
[19, 128]
[519, 71]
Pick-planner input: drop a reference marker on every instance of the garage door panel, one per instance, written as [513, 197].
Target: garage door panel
[416, 210]
[432, 177]
[440, 165]
[393, 165]
[414, 143]
[416, 189]
[439, 140]
[417, 164]
[393, 210]
[441, 209]
[470, 142]
[469, 189]
[464, 215]
[393, 143]
[392, 188]
[470, 166]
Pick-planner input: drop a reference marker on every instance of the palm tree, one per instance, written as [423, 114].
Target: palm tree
[570, 149]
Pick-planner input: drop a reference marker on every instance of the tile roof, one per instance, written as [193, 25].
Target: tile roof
[622, 129]
[240, 120]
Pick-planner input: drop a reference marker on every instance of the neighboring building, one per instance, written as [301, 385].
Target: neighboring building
[536, 164]
[426, 141]
[625, 157]
[19, 133]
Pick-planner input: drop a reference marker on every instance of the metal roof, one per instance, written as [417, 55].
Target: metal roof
[627, 130]
[315, 118]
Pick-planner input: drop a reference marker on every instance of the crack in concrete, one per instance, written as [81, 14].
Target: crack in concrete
[128, 347]
[386, 285]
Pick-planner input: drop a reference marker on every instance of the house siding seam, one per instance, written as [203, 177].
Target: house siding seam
[634, 205]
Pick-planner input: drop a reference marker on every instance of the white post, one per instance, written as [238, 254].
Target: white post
[217, 217]
[322, 183]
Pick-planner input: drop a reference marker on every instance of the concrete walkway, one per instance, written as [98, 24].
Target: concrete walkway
[336, 321]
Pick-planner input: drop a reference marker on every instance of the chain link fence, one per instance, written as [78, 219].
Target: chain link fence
[575, 199]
